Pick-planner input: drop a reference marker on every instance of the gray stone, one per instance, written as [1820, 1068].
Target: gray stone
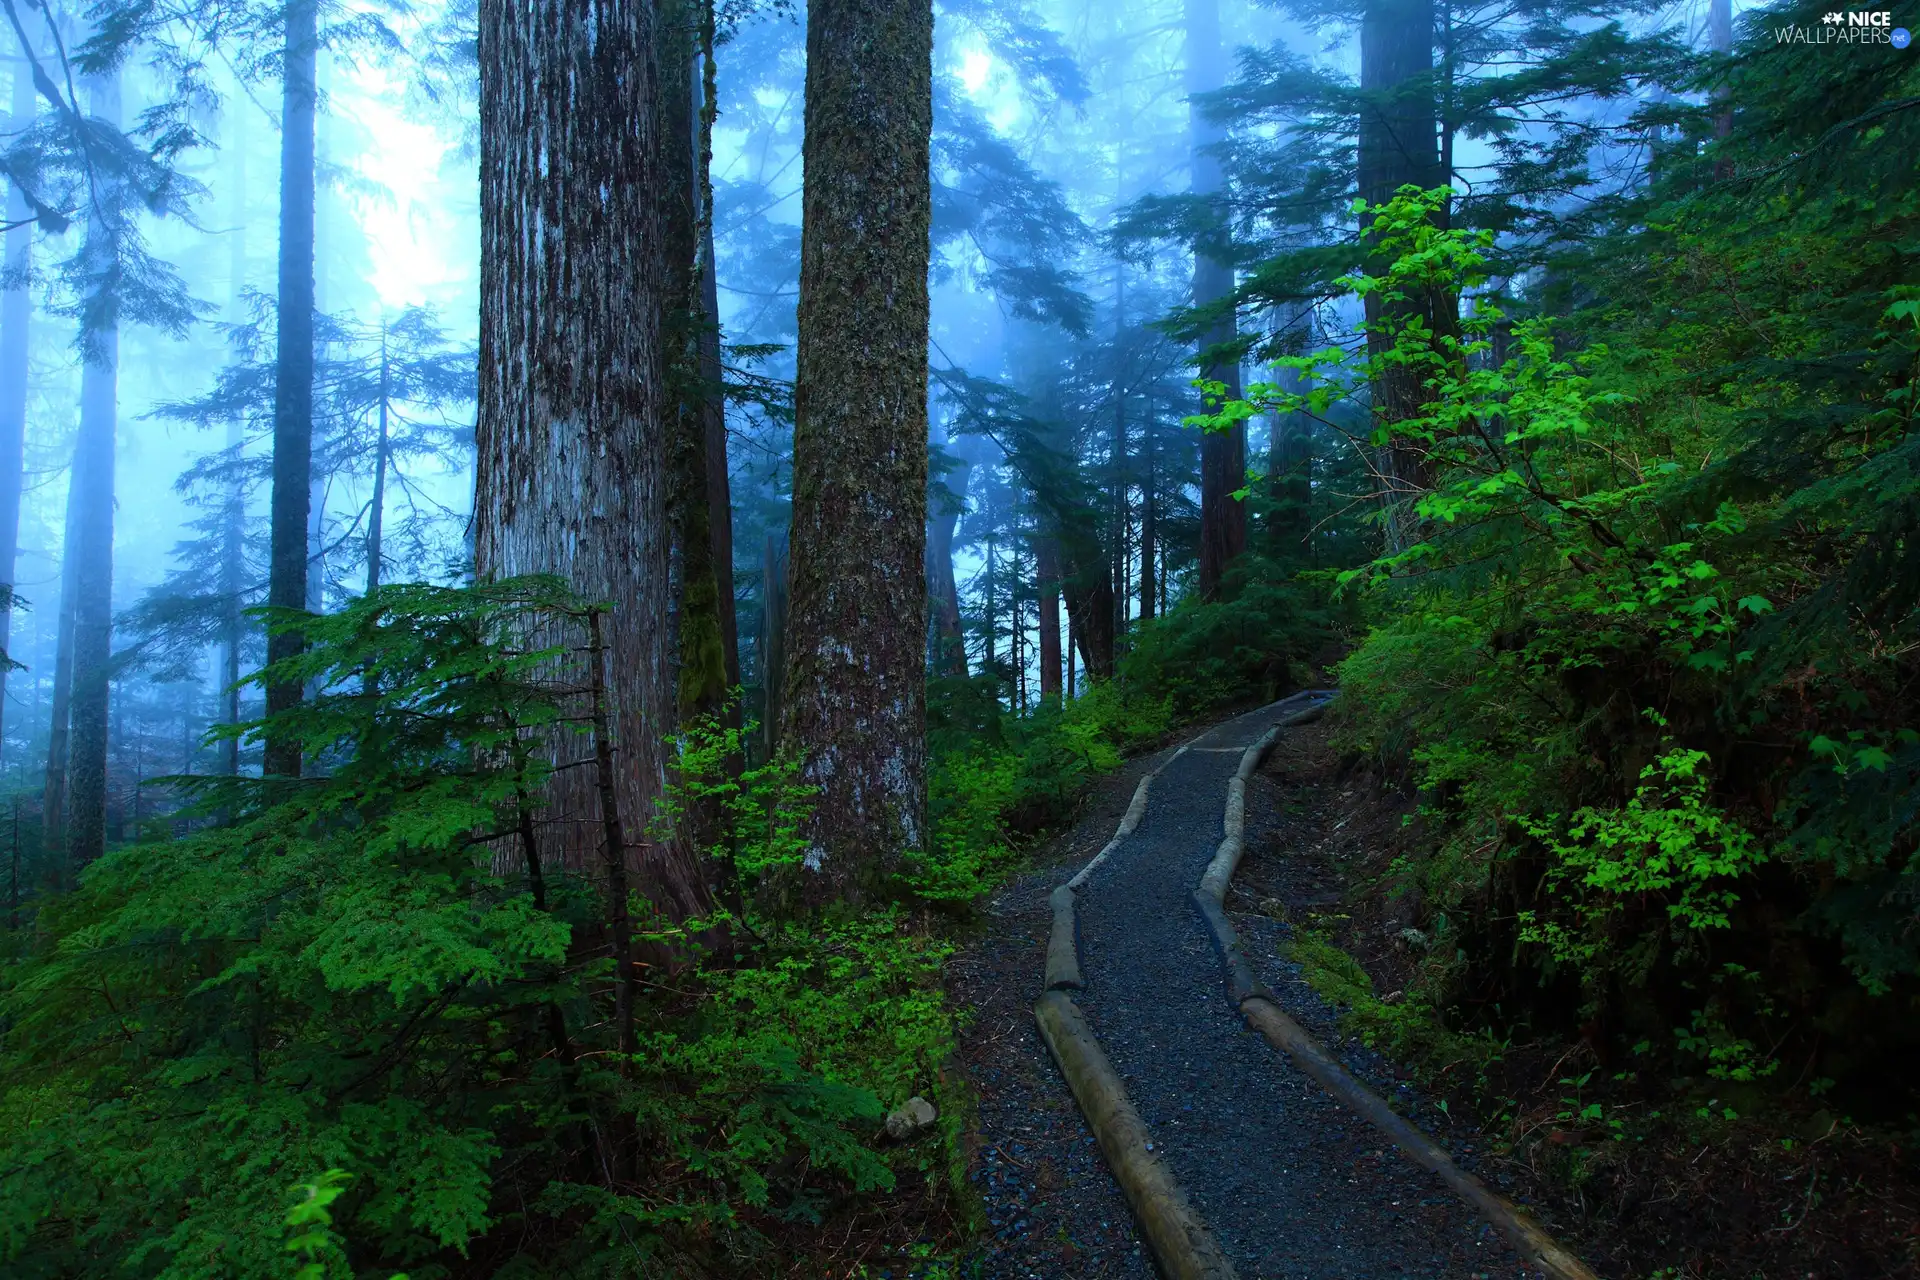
[909, 1118]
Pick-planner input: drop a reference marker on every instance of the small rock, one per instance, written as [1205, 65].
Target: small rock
[909, 1118]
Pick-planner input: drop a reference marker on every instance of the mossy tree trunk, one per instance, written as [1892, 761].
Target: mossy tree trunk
[575, 411]
[855, 695]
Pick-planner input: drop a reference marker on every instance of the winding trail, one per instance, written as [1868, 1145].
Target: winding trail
[1288, 1182]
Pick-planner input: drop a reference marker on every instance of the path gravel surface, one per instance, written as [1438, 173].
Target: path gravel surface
[1291, 1184]
[1050, 1206]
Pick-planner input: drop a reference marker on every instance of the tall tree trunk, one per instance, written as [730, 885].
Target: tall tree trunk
[1046, 562]
[318, 479]
[773, 635]
[856, 654]
[1149, 515]
[1117, 456]
[92, 548]
[293, 368]
[382, 450]
[989, 613]
[1223, 454]
[1089, 594]
[16, 315]
[712, 375]
[233, 530]
[943, 588]
[575, 411]
[1072, 645]
[1398, 145]
[702, 643]
[53, 798]
[1290, 476]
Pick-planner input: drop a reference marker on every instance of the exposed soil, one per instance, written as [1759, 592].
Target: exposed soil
[1786, 1192]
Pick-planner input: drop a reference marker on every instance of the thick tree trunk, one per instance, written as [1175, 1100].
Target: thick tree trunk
[575, 411]
[1399, 144]
[1089, 593]
[856, 655]
[16, 315]
[92, 548]
[1046, 561]
[293, 367]
[943, 588]
[1223, 455]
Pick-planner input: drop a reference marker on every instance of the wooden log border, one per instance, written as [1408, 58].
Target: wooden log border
[1264, 1014]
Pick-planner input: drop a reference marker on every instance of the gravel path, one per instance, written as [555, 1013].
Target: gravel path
[1292, 1185]
[1050, 1206]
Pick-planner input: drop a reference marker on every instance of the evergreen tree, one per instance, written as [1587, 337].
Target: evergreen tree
[293, 356]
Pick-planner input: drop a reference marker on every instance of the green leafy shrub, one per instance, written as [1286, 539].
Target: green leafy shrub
[340, 972]
[1606, 518]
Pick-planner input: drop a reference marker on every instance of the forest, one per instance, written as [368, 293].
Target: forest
[551, 668]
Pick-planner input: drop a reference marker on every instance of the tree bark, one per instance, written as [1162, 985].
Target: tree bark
[714, 401]
[1089, 594]
[16, 316]
[1399, 144]
[293, 368]
[575, 411]
[92, 548]
[702, 648]
[1046, 561]
[773, 635]
[856, 654]
[1223, 454]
